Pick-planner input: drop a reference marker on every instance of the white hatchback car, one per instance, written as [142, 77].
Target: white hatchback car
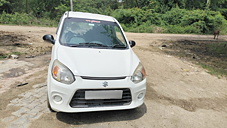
[93, 67]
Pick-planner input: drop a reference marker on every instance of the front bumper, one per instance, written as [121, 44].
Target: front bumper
[60, 95]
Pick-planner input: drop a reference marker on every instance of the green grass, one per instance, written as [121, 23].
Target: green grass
[3, 56]
[211, 56]
[16, 53]
[213, 70]
[218, 48]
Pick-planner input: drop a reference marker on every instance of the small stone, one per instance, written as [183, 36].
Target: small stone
[164, 45]
[30, 56]
[22, 84]
[14, 56]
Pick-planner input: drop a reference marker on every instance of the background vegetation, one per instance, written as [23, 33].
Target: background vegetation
[160, 16]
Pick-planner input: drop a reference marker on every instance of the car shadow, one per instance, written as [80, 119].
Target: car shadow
[102, 116]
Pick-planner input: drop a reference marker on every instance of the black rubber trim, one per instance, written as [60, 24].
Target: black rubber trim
[103, 78]
[79, 101]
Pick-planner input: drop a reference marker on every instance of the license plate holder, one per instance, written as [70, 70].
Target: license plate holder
[103, 94]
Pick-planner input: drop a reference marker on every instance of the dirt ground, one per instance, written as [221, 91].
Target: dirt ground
[179, 93]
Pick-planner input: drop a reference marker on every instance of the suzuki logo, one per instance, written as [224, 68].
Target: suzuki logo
[105, 84]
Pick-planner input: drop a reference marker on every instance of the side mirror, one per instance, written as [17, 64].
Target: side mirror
[132, 43]
[49, 38]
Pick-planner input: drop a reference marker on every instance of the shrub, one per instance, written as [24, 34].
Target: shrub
[137, 20]
[174, 16]
[25, 19]
[205, 21]
[143, 28]
[130, 16]
[181, 29]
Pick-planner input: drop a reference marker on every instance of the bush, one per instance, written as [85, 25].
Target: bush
[25, 19]
[137, 20]
[21, 18]
[181, 30]
[196, 21]
[130, 16]
[174, 21]
[155, 18]
[205, 21]
[5, 18]
[174, 16]
[223, 12]
[144, 28]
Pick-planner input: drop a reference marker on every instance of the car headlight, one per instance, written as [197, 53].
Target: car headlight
[139, 74]
[61, 73]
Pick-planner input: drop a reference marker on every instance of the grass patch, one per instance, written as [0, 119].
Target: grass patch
[210, 55]
[218, 48]
[213, 70]
[16, 53]
[3, 56]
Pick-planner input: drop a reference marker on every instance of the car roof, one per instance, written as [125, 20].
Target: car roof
[90, 16]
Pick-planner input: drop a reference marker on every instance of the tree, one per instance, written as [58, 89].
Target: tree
[3, 2]
[208, 4]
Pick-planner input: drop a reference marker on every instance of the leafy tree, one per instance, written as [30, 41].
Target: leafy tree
[3, 2]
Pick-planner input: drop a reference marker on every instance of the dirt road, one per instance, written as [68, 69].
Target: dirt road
[179, 93]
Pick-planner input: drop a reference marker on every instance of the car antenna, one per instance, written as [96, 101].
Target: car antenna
[71, 4]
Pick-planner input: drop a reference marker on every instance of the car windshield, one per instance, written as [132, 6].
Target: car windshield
[77, 32]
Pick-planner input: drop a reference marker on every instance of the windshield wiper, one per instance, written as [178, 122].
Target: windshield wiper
[73, 45]
[89, 44]
[119, 46]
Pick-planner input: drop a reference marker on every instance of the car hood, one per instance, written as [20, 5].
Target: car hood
[98, 62]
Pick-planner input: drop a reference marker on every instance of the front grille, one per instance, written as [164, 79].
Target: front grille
[103, 78]
[79, 101]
